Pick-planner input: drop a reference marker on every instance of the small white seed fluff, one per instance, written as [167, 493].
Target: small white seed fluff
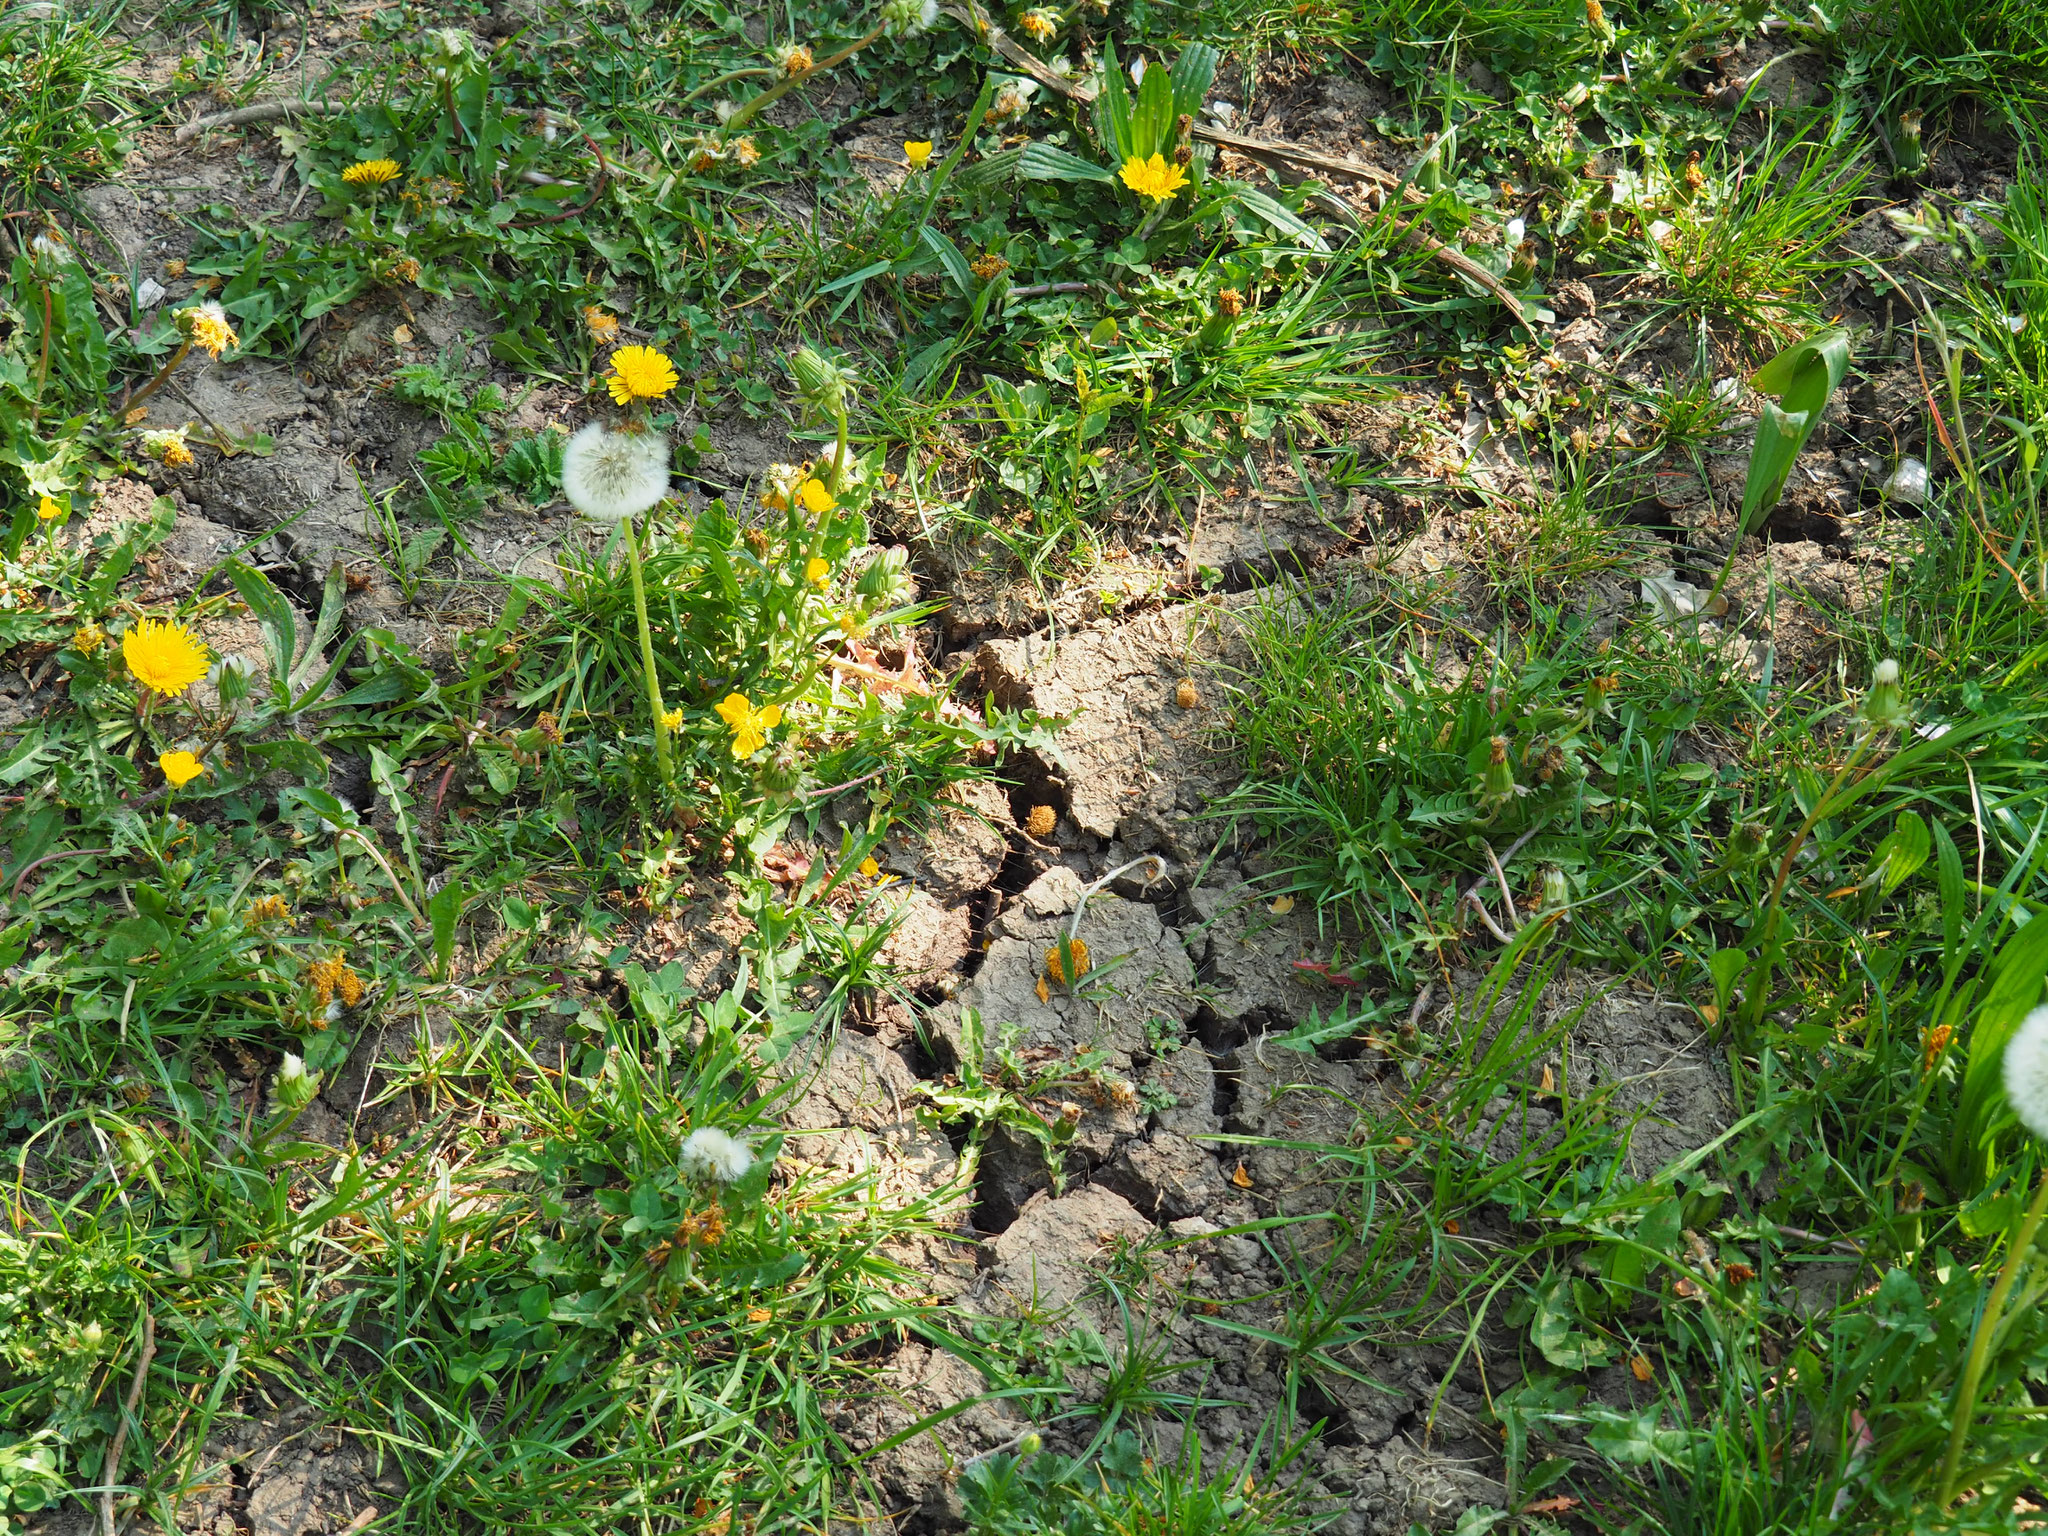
[1885, 674]
[710, 1153]
[609, 476]
[2026, 1072]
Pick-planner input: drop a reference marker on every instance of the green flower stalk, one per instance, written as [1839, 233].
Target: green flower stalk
[615, 474]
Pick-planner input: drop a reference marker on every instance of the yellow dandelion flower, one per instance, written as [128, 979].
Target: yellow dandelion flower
[180, 768]
[87, 639]
[640, 373]
[815, 497]
[816, 571]
[1039, 25]
[1157, 178]
[165, 658]
[918, 152]
[750, 726]
[371, 173]
[672, 719]
[206, 327]
[48, 510]
[603, 327]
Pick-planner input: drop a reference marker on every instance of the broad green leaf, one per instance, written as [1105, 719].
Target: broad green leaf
[1045, 162]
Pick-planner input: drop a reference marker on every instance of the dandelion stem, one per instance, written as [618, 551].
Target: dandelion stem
[2018, 1247]
[163, 375]
[661, 757]
[43, 363]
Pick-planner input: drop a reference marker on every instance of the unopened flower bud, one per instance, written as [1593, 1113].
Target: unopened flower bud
[1497, 786]
[1886, 704]
[294, 1086]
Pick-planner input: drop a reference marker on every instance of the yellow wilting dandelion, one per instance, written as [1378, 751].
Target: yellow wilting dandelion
[1039, 25]
[331, 978]
[672, 720]
[640, 373]
[206, 327]
[48, 510]
[168, 448]
[180, 768]
[816, 571]
[87, 639]
[371, 173]
[918, 152]
[1056, 970]
[165, 658]
[267, 909]
[1157, 178]
[749, 726]
[603, 326]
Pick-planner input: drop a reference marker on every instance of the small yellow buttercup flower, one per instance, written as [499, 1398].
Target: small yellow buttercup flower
[180, 768]
[750, 726]
[206, 327]
[165, 658]
[1157, 178]
[371, 173]
[816, 571]
[672, 719]
[603, 326]
[918, 152]
[816, 498]
[49, 511]
[640, 373]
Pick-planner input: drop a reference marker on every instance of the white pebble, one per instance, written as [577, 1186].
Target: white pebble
[1908, 483]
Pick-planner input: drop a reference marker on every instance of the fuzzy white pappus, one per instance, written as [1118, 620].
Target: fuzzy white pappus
[609, 476]
[2026, 1072]
[711, 1153]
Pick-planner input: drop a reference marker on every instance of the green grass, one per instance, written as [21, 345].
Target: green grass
[518, 1294]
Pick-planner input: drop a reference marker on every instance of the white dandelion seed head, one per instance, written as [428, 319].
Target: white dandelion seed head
[711, 1153]
[1516, 231]
[1885, 674]
[2026, 1072]
[609, 476]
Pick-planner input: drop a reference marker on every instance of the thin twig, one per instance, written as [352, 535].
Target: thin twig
[262, 112]
[112, 1468]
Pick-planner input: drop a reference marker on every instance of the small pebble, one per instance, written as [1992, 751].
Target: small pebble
[1908, 483]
